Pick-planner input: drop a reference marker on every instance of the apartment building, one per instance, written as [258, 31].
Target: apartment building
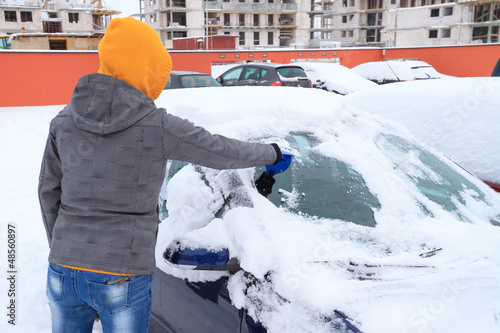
[404, 22]
[48, 24]
[256, 23]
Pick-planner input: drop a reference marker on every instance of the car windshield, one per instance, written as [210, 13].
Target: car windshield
[325, 187]
[434, 178]
[291, 72]
[321, 186]
[317, 185]
[196, 81]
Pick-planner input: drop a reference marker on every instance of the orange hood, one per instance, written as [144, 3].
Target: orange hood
[132, 51]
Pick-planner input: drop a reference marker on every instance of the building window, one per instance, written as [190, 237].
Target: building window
[256, 38]
[270, 38]
[350, 33]
[352, 3]
[447, 11]
[10, 16]
[393, 2]
[256, 20]
[343, 33]
[242, 38]
[435, 12]
[373, 4]
[227, 20]
[374, 19]
[242, 20]
[480, 33]
[270, 20]
[445, 33]
[351, 18]
[373, 35]
[26, 17]
[73, 17]
[344, 3]
[433, 34]
[52, 14]
[344, 19]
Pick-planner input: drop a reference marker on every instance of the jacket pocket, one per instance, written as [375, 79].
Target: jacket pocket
[110, 297]
[55, 285]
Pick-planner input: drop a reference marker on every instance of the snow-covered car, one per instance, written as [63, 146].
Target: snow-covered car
[368, 230]
[455, 116]
[390, 71]
[334, 77]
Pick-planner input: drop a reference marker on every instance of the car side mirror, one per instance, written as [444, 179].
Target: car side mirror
[200, 259]
[219, 80]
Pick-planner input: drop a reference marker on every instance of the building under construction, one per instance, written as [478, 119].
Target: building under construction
[257, 24]
[405, 22]
[54, 24]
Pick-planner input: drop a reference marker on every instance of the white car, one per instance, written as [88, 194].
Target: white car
[369, 230]
[390, 71]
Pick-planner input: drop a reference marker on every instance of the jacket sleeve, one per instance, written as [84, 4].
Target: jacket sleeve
[49, 186]
[185, 142]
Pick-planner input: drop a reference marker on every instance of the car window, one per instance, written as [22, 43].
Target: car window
[194, 81]
[254, 73]
[232, 74]
[433, 177]
[317, 185]
[291, 72]
[169, 82]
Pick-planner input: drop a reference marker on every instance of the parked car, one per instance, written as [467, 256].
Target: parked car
[496, 69]
[390, 71]
[334, 77]
[265, 74]
[366, 224]
[189, 79]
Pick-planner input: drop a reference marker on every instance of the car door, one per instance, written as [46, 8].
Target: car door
[181, 306]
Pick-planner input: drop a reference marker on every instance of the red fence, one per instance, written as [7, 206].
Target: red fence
[48, 78]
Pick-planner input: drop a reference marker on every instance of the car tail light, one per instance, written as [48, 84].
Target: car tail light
[276, 84]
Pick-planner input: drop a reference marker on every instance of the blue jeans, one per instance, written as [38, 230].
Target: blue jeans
[76, 297]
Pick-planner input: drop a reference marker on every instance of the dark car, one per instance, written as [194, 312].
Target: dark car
[496, 70]
[189, 79]
[265, 74]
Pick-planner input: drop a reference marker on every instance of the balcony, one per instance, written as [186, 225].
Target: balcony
[242, 7]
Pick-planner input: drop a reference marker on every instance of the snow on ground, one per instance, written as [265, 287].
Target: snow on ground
[465, 291]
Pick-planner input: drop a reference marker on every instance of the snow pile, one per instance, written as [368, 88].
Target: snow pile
[334, 77]
[456, 116]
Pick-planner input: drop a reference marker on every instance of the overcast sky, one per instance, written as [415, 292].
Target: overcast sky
[127, 7]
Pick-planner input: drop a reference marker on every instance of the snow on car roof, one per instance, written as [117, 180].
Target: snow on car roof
[336, 77]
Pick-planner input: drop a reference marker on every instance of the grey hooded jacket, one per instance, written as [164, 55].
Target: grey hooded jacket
[103, 167]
